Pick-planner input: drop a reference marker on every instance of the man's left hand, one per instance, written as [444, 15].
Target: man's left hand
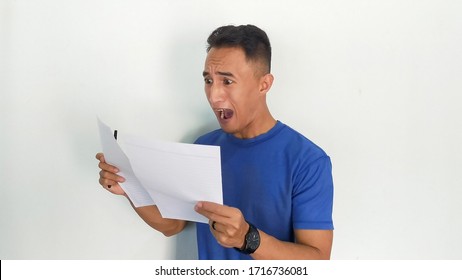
[227, 224]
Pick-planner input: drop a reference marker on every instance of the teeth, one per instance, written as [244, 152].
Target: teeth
[224, 113]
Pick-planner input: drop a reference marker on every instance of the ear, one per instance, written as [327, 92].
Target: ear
[266, 82]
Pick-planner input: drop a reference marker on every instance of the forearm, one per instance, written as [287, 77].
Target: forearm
[151, 215]
[271, 248]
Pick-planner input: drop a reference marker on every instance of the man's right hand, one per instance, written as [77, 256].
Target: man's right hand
[150, 214]
[108, 177]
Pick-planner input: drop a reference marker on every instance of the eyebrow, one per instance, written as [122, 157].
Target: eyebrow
[227, 74]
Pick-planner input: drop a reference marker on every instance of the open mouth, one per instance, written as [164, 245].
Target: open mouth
[225, 113]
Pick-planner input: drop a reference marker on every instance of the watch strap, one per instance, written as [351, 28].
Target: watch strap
[251, 241]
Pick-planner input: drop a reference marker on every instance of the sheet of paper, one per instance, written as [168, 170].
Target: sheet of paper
[174, 175]
[114, 155]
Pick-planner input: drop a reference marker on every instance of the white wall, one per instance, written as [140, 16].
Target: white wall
[377, 84]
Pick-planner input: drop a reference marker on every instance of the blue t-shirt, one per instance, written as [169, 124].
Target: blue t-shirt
[280, 180]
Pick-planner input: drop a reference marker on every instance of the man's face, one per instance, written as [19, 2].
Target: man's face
[233, 89]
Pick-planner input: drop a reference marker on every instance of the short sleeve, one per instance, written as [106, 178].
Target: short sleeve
[312, 196]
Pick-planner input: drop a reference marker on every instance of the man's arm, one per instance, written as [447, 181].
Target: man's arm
[150, 214]
[230, 228]
[310, 245]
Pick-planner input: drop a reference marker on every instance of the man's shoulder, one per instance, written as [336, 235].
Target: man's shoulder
[301, 144]
[210, 138]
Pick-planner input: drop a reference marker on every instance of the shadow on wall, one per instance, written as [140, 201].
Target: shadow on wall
[186, 244]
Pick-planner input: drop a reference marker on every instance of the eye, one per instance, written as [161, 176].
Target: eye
[208, 80]
[227, 81]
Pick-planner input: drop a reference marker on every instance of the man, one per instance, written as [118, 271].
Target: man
[277, 185]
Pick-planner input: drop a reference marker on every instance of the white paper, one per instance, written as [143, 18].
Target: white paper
[114, 155]
[174, 175]
[177, 175]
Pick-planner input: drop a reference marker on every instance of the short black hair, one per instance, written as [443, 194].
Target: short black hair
[251, 39]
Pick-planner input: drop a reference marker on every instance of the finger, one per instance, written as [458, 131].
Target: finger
[111, 176]
[114, 189]
[203, 212]
[111, 186]
[217, 227]
[106, 183]
[221, 219]
[103, 165]
[108, 167]
[212, 224]
[225, 236]
[212, 207]
[100, 157]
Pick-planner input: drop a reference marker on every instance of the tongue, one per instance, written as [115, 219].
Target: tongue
[227, 113]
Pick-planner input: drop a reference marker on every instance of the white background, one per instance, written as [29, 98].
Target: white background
[377, 84]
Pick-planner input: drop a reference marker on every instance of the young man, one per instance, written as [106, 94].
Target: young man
[277, 184]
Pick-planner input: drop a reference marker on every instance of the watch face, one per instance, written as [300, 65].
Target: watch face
[253, 240]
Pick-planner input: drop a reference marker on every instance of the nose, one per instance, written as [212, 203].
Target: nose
[215, 94]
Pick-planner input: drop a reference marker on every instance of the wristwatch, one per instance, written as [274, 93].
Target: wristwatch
[251, 241]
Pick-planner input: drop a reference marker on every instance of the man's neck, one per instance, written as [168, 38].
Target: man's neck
[258, 127]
